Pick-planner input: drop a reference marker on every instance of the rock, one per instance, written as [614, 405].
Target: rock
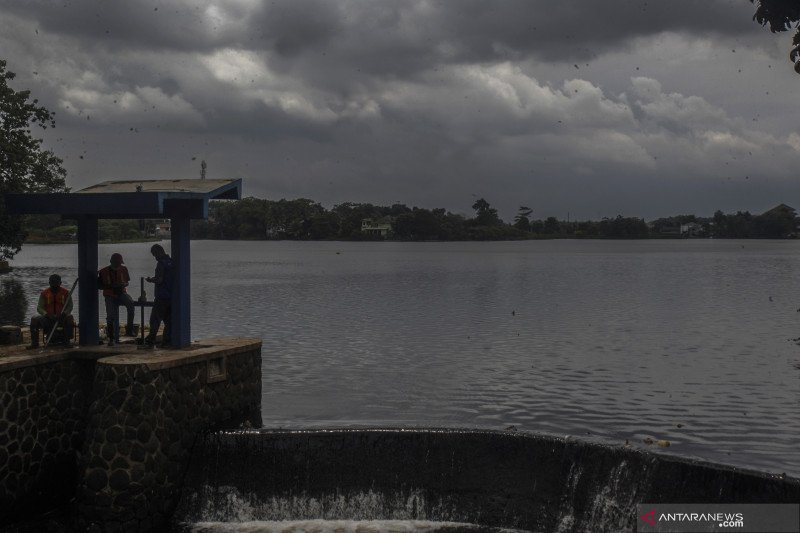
[143, 432]
[10, 335]
[119, 479]
[120, 463]
[108, 451]
[114, 434]
[96, 479]
[117, 398]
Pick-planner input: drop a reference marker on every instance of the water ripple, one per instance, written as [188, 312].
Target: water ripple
[613, 341]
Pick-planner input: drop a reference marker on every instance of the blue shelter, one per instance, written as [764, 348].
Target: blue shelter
[178, 200]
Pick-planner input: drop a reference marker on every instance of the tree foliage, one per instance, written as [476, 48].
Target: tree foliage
[523, 219]
[304, 219]
[486, 215]
[778, 223]
[13, 303]
[24, 165]
[781, 15]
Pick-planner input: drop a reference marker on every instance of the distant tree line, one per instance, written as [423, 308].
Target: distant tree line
[304, 219]
[53, 228]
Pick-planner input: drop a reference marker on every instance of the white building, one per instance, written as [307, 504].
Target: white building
[376, 227]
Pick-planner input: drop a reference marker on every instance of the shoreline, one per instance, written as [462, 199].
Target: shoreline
[532, 238]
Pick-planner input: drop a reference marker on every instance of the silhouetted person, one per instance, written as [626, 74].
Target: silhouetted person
[55, 306]
[114, 279]
[162, 307]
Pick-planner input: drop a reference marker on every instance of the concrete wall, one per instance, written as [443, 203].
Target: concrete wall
[495, 479]
[142, 425]
[42, 428]
[114, 428]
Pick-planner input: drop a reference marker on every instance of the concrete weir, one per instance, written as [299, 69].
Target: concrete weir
[107, 431]
[116, 439]
[493, 479]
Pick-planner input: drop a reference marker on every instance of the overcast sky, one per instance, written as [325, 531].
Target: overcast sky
[588, 108]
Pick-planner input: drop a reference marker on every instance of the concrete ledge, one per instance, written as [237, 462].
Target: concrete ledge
[13, 357]
[161, 359]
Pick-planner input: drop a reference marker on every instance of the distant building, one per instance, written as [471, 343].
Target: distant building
[275, 232]
[691, 229]
[163, 230]
[380, 227]
[781, 210]
[670, 230]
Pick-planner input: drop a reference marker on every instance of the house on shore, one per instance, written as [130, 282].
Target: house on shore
[691, 229]
[162, 230]
[381, 227]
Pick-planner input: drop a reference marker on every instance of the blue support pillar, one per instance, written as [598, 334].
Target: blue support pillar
[181, 295]
[88, 309]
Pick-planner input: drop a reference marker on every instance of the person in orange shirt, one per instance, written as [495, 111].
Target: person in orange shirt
[112, 280]
[55, 305]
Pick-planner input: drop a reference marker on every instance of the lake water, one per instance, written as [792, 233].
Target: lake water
[683, 340]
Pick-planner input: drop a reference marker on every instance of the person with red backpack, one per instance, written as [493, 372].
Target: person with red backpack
[112, 280]
[55, 306]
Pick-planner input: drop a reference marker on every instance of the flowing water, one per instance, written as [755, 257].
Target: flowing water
[682, 341]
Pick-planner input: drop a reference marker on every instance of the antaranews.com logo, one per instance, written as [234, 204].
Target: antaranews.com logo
[674, 517]
[724, 519]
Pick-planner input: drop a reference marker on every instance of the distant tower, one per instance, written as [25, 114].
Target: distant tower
[203, 169]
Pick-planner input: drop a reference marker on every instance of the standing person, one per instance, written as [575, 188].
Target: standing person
[114, 279]
[162, 306]
[55, 306]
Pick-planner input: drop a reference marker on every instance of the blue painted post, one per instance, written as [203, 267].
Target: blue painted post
[181, 295]
[88, 308]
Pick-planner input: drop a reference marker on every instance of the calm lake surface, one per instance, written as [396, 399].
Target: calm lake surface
[689, 341]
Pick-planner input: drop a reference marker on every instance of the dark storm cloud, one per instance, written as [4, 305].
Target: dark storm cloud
[423, 102]
[383, 35]
[180, 25]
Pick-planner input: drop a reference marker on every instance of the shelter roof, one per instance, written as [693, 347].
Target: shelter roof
[130, 199]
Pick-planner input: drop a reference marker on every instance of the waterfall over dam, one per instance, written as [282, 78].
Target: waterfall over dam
[491, 479]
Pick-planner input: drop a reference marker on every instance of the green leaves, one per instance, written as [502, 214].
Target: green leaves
[24, 165]
[485, 214]
[780, 15]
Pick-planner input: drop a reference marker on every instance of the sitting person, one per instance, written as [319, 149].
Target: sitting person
[54, 307]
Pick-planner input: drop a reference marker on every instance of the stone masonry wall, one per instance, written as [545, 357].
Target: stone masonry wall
[42, 427]
[142, 424]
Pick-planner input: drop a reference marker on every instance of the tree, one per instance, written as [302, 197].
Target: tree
[523, 221]
[781, 15]
[351, 215]
[552, 225]
[24, 165]
[485, 214]
[623, 228]
[13, 303]
[774, 225]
